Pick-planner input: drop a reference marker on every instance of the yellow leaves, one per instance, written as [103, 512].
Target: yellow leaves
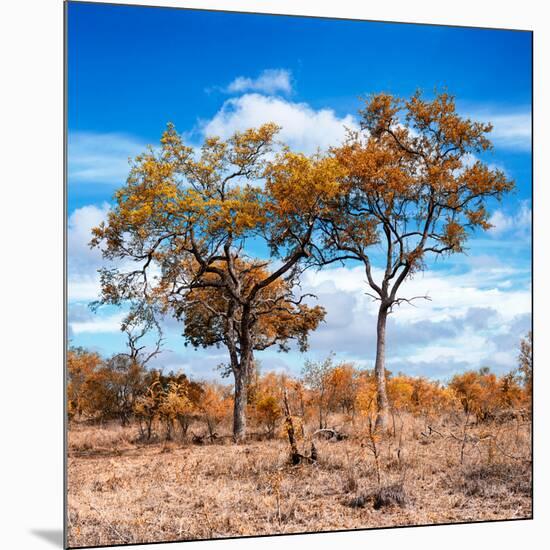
[400, 391]
[276, 317]
[170, 191]
[248, 145]
[482, 180]
[214, 404]
[175, 401]
[81, 364]
[267, 409]
[145, 406]
[173, 150]
[482, 393]
[366, 399]
[479, 217]
[298, 185]
[241, 210]
[453, 235]
[373, 167]
[411, 172]
[379, 112]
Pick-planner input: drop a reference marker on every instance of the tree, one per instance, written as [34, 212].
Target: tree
[267, 401]
[188, 221]
[526, 361]
[125, 371]
[212, 317]
[268, 412]
[147, 405]
[175, 405]
[483, 394]
[214, 406]
[82, 367]
[342, 384]
[413, 187]
[316, 376]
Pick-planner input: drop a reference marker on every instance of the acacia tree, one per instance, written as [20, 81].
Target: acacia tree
[413, 188]
[213, 317]
[186, 221]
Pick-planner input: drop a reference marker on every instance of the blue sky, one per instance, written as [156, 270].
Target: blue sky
[133, 69]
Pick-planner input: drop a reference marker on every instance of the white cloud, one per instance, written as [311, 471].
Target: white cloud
[500, 222]
[98, 324]
[83, 262]
[474, 318]
[303, 128]
[79, 233]
[518, 222]
[512, 131]
[269, 81]
[83, 288]
[451, 294]
[101, 157]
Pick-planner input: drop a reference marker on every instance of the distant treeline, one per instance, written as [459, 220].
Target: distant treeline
[120, 388]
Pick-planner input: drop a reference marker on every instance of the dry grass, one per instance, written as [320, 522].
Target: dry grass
[123, 491]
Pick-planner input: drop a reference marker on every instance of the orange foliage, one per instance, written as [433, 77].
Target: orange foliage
[483, 394]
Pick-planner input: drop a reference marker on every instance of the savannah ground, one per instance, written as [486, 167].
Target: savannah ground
[121, 490]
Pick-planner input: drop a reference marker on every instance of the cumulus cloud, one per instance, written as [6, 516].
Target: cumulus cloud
[96, 324]
[269, 81]
[511, 130]
[472, 320]
[101, 157]
[83, 262]
[518, 222]
[83, 287]
[303, 128]
[440, 368]
[198, 364]
[79, 233]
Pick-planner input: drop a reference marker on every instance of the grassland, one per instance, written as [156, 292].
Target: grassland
[122, 490]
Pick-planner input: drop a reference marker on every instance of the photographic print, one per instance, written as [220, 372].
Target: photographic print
[299, 267]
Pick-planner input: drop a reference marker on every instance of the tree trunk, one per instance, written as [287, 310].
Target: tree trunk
[239, 407]
[382, 404]
[242, 373]
[289, 424]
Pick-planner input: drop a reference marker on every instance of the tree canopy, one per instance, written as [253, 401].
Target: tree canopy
[219, 238]
[414, 187]
[187, 222]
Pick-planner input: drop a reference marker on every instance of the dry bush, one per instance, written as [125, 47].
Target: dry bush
[382, 497]
[496, 480]
[97, 439]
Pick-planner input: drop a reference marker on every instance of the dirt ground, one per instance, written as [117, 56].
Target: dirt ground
[122, 491]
